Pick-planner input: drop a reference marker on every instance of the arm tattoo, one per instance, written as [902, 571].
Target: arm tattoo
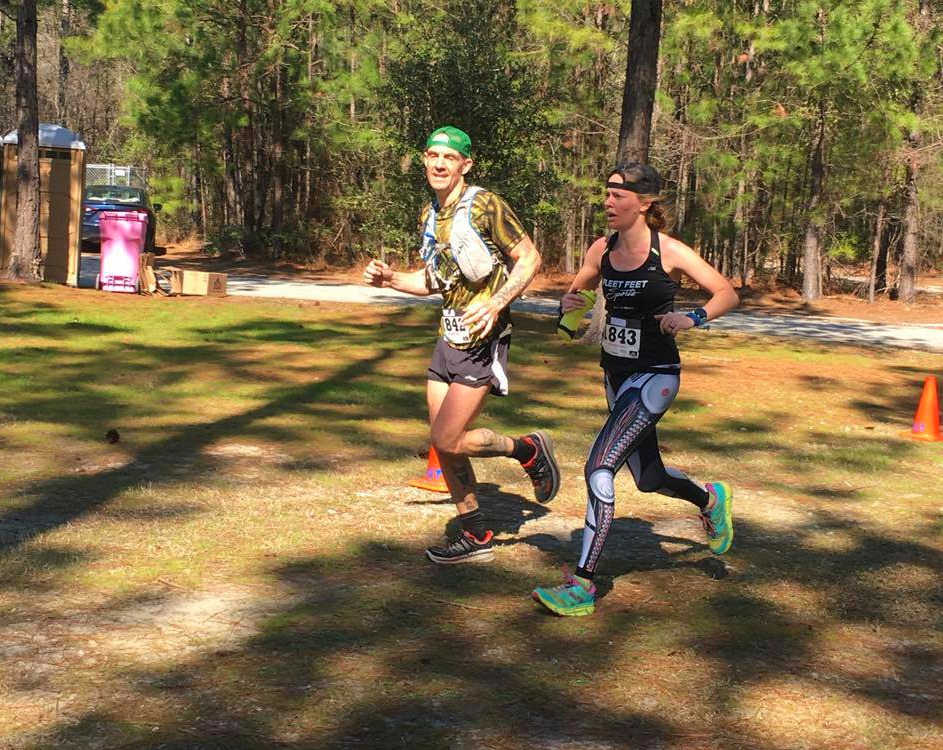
[517, 282]
[487, 443]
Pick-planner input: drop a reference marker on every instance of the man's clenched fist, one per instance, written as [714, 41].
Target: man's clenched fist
[377, 273]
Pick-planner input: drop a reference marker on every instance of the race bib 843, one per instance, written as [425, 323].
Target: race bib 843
[621, 338]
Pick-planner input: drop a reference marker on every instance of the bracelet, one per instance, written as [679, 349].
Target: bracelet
[699, 316]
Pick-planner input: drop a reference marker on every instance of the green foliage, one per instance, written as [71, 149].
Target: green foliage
[847, 248]
[456, 66]
[333, 102]
[225, 239]
[752, 94]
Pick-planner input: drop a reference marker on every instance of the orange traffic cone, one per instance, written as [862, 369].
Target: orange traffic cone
[927, 419]
[432, 480]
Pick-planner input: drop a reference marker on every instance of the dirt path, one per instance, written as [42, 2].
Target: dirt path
[929, 307]
[838, 319]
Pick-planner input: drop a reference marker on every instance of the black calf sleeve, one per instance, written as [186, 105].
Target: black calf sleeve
[651, 475]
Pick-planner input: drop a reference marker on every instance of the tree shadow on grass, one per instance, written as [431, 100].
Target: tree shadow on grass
[632, 546]
[371, 649]
[347, 392]
[54, 502]
[73, 396]
[890, 404]
[388, 657]
[504, 512]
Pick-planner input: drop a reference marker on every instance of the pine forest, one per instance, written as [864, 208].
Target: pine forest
[797, 137]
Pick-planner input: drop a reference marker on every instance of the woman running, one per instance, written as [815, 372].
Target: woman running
[639, 269]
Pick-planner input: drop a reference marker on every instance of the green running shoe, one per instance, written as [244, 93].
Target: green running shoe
[570, 599]
[718, 521]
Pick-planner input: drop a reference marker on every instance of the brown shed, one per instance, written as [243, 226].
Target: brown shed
[61, 180]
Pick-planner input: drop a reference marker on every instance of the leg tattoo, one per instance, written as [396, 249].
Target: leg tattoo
[486, 443]
[464, 474]
[460, 478]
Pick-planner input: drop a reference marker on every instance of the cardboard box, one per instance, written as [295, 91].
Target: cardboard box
[199, 283]
[147, 276]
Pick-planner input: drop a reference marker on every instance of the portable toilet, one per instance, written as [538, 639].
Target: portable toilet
[61, 181]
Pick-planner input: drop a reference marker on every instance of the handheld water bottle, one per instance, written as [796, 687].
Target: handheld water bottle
[568, 323]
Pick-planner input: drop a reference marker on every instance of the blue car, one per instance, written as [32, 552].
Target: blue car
[98, 198]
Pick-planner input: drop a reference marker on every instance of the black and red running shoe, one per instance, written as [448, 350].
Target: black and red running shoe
[542, 468]
[466, 548]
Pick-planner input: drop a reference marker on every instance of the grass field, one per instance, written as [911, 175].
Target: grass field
[244, 568]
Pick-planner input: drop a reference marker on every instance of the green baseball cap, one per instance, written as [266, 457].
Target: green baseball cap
[451, 137]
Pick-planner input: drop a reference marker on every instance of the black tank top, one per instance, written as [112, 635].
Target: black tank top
[632, 340]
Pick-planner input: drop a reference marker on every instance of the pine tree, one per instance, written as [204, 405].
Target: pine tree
[25, 260]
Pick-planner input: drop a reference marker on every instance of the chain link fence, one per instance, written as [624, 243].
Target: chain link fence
[115, 174]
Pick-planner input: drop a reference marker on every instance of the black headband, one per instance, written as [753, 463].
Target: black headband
[624, 186]
[637, 178]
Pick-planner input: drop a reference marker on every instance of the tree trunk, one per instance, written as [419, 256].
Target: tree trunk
[745, 256]
[682, 198]
[570, 241]
[890, 239]
[745, 214]
[232, 205]
[65, 28]
[909, 261]
[641, 78]
[308, 186]
[759, 233]
[278, 155]
[740, 222]
[199, 190]
[582, 241]
[729, 252]
[714, 257]
[811, 262]
[352, 106]
[245, 151]
[690, 199]
[26, 258]
[811, 252]
[638, 102]
[876, 245]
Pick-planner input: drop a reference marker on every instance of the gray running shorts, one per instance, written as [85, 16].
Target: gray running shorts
[481, 365]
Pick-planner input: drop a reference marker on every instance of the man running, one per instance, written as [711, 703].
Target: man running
[470, 240]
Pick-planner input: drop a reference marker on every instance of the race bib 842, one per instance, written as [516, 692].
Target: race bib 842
[453, 329]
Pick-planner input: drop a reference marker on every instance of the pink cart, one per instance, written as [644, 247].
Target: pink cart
[122, 242]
